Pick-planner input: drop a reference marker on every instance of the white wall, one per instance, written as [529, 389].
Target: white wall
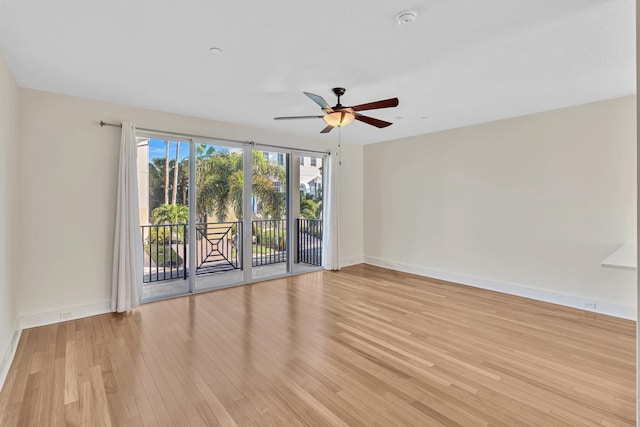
[637, 213]
[351, 200]
[529, 205]
[68, 183]
[8, 197]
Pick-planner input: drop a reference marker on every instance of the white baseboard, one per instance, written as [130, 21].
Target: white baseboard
[9, 353]
[346, 262]
[64, 314]
[573, 301]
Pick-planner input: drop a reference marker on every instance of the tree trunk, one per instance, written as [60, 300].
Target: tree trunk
[166, 173]
[184, 192]
[174, 199]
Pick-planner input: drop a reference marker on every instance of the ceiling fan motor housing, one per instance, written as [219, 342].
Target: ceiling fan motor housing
[339, 91]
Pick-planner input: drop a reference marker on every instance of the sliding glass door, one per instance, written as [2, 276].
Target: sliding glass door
[215, 215]
[163, 173]
[269, 206]
[219, 181]
[307, 211]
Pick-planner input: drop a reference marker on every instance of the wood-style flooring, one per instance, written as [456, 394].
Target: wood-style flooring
[361, 347]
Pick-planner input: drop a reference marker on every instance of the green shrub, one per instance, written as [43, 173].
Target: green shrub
[267, 238]
[166, 234]
[170, 214]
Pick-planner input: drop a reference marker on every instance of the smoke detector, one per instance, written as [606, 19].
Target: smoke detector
[407, 17]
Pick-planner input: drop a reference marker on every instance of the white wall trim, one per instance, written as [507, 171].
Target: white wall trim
[64, 314]
[9, 353]
[346, 262]
[573, 301]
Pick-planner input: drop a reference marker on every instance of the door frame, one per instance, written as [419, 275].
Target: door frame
[292, 190]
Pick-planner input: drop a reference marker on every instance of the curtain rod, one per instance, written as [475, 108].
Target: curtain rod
[188, 135]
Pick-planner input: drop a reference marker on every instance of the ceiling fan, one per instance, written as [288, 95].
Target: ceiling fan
[339, 115]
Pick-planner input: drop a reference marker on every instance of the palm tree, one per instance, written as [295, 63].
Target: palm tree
[156, 182]
[170, 214]
[166, 173]
[221, 181]
[204, 170]
[175, 174]
[264, 174]
[308, 209]
[215, 170]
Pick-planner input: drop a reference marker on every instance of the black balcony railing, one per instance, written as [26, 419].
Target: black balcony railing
[218, 247]
[269, 238]
[165, 252]
[309, 241]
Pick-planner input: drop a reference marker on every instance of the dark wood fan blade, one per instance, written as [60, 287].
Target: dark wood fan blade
[327, 129]
[373, 122]
[385, 103]
[297, 117]
[318, 100]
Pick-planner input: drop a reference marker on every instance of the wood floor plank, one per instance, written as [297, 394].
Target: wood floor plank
[361, 347]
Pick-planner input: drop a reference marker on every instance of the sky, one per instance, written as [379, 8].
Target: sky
[157, 149]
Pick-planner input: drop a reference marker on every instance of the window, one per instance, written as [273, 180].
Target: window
[313, 161]
[278, 186]
[281, 233]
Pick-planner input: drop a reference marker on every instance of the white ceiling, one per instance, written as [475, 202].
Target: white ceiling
[462, 62]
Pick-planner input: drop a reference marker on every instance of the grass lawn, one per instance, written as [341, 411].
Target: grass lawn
[163, 255]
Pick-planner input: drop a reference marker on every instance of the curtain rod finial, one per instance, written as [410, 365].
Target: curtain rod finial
[102, 123]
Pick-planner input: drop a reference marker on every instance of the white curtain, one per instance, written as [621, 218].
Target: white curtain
[331, 234]
[127, 249]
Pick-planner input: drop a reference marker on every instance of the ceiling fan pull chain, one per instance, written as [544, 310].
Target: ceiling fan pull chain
[340, 146]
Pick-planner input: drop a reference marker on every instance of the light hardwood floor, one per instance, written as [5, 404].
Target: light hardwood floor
[361, 347]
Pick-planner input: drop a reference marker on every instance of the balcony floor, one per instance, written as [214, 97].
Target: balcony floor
[173, 287]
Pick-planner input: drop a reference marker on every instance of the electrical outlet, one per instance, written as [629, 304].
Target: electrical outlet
[590, 305]
[66, 314]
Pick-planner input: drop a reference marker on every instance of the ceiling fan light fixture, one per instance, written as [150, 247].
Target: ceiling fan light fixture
[338, 118]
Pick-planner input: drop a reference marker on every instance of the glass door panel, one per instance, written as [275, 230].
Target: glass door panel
[269, 204]
[307, 212]
[163, 173]
[218, 216]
